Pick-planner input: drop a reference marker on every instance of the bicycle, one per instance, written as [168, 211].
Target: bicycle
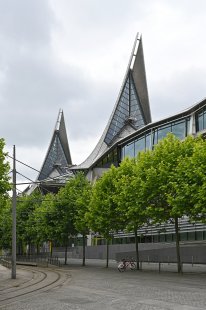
[126, 263]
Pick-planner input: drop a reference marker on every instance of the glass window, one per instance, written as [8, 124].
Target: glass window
[204, 120]
[99, 164]
[139, 145]
[110, 158]
[199, 235]
[168, 237]
[179, 129]
[148, 142]
[191, 236]
[104, 160]
[129, 150]
[183, 236]
[163, 131]
[115, 156]
[188, 127]
[154, 137]
[199, 122]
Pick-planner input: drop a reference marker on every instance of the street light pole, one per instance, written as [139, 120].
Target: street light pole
[13, 258]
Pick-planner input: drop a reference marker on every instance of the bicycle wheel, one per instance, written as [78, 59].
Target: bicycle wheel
[132, 266]
[121, 267]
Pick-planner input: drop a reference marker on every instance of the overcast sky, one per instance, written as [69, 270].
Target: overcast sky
[73, 54]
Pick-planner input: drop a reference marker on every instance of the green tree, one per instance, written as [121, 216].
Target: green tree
[5, 223]
[67, 215]
[104, 215]
[161, 180]
[83, 198]
[43, 219]
[131, 203]
[26, 229]
[191, 183]
[4, 170]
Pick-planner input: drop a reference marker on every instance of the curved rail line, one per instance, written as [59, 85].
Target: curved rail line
[38, 277]
[50, 279]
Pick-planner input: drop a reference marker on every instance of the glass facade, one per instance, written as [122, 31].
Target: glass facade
[128, 110]
[156, 238]
[55, 157]
[109, 159]
[179, 128]
[200, 117]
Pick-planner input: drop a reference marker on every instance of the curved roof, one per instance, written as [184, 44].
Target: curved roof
[132, 109]
[58, 156]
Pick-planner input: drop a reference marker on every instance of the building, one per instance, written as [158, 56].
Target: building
[129, 130]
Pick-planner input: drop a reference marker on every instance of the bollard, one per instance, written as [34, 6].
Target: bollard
[159, 266]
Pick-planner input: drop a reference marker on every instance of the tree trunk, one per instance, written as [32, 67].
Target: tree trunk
[137, 248]
[107, 262]
[37, 248]
[65, 254]
[29, 248]
[20, 248]
[83, 253]
[51, 248]
[179, 264]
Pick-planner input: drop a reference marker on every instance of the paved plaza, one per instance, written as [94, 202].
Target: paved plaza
[100, 288]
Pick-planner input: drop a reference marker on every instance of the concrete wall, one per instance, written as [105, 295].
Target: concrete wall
[153, 252]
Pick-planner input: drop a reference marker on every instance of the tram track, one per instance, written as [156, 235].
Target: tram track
[37, 276]
[41, 281]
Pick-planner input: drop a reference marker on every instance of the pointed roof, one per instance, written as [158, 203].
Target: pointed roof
[132, 109]
[58, 156]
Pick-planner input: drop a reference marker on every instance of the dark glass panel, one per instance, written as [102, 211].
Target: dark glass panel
[154, 137]
[129, 150]
[199, 121]
[105, 161]
[139, 145]
[115, 156]
[111, 157]
[179, 129]
[188, 126]
[148, 142]
[54, 157]
[163, 131]
[204, 120]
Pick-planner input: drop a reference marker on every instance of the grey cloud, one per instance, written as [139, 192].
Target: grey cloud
[35, 82]
[26, 22]
[32, 95]
[179, 92]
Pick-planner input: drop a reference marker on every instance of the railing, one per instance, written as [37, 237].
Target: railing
[40, 259]
[157, 264]
[4, 262]
[54, 261]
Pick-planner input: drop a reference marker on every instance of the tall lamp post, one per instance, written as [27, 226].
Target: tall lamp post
[13, 258]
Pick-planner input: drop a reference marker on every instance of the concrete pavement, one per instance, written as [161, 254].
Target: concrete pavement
[100, 288]
[6, 281]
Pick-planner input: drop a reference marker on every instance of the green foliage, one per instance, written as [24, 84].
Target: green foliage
[25, 222]
[5, 223]
[4, 170]
[70, 206]
[163, 184]
[83, 198]
[104, 216]
[128, 186]
[163, 175]
[43, 218]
